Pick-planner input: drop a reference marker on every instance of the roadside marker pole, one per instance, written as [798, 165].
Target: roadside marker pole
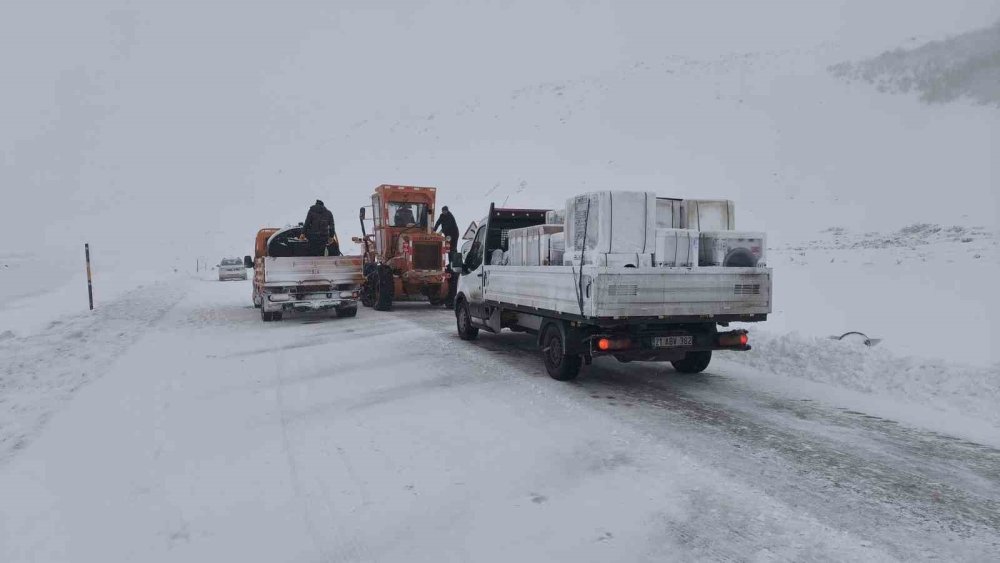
[90, 279]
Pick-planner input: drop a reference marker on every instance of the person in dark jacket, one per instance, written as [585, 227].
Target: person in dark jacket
[404, 217]
[318, 228]
[449, 228]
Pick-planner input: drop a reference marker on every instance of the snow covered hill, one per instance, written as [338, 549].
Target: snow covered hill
[155, 135]
[964, 66]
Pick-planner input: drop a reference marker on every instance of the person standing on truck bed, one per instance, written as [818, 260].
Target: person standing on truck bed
[449, 228]
[318, 228]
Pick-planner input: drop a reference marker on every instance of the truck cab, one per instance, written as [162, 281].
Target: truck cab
[487, 244]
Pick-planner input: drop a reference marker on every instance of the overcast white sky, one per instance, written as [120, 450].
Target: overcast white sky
[213, 117]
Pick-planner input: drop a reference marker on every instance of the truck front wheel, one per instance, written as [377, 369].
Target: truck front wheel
[560, 365]
[693, 362]
[463, 318]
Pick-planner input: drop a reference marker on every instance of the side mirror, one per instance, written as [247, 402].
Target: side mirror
[247, 262]
[457, 265]
[470, 233]
[356, 240]
[362, 214]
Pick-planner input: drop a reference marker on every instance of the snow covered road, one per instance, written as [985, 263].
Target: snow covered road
[213, 436]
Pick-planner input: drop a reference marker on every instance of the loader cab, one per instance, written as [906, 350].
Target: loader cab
[399, 209]
[407, 214]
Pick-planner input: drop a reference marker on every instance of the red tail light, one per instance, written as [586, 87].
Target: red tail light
[735, 339]
[606, 344]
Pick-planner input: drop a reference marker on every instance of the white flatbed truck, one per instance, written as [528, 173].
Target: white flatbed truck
[286, 278]
[582, 312]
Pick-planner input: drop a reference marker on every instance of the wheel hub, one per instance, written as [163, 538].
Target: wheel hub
[555, 350]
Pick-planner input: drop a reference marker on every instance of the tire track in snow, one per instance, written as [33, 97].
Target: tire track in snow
[347, 548]
[879, 481]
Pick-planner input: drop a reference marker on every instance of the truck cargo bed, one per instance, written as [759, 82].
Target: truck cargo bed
[334, 270]
[616, 293]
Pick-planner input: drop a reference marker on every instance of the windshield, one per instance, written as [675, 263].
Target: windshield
[404, 214]
[232, 262]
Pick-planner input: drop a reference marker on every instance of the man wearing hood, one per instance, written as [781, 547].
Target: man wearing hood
[319, 230]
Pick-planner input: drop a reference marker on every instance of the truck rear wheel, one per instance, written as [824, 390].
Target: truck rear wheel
[693, 362]
[384, 288]
[560, 365]
[463, 318]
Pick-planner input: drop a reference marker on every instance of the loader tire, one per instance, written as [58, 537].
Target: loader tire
[384, 288]
[368, 287]
[693, 362]
[560, 365]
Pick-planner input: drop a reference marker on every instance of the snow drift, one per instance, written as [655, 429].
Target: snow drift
[972, 391]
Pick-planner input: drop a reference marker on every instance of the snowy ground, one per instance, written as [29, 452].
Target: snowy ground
[211, 435]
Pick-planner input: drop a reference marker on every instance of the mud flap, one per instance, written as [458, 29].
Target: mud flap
[493, 323]
[570, 336]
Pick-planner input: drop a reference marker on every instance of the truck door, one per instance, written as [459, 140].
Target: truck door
[472, 276]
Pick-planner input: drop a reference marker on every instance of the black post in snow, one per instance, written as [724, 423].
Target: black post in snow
[90, 280]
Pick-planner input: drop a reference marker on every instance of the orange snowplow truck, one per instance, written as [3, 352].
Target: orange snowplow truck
[403, 257]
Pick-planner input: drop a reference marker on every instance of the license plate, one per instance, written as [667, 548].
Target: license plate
[672, 341]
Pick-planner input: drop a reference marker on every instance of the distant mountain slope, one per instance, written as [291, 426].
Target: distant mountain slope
[964, 66]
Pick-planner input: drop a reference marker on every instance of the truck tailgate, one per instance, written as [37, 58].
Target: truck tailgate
[335, 270]
[632, 292]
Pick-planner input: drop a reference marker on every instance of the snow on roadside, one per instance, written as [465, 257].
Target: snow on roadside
[40, 371]
[37, 290]
[969, 391]
[927, 290]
